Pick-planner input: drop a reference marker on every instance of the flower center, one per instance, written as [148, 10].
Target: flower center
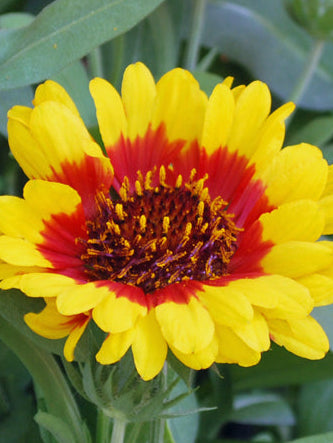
[159, 235]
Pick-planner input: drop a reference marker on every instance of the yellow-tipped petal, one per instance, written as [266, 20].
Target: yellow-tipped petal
[226, 305]
[20, 252]
[252, 108]
[326, 206]
[270, 137]
[255, 334]
[149, 347]
[19, 220]
[297, 172]
[218, 118]
[73, 338]
[199, 360]
[49, 323]
[20, 114]
[296, 258]
[45, 284]
[61, 134]
[117, 314]
[48, 198]
[304, 337]
[298, 220]
[232, 348]
[27, 150]
[138, 94]
[52, 91]
[110, 111]
[328, 190]
[320, 287]
[80, 298]
[180, 105]
[187, 327]
[115, 347]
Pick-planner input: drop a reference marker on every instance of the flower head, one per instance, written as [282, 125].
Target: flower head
[195, 232]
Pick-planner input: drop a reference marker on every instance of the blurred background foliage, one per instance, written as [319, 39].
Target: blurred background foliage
[287, 44]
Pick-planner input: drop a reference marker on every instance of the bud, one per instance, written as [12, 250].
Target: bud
[315, 16]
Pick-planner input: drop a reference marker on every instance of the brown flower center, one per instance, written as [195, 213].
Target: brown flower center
[159, 235]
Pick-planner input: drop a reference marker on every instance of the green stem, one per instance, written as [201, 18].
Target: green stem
[192, 53]
[118, 430]
[207, 60]
[309, 69]
[95, 62]
[47, 375]
[158, 425]
[103, 427]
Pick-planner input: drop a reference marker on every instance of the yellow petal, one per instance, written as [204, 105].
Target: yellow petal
[218, 118]
[326, 206]
[297, 172]
[80, 298]
[304, 337]
[270, 137]
[199, 360]
[226, 305]
[26, 149]
[110, 111]
[232, 348]
[296, 258]
[20, 252]
[49, 323]
[53, 138]
[138, 94]
[19, 220]
[52, 91]
[320, 287]
[255, 334]
[62, 136]
[117, 314]
[329, 184]
[48, 198]
[298, 220]
[276, 295]
[149, 347]
[252, 108]
[73, 338]
[180, 105]
[115, 347]
[21, 114]
[187, 327]
[45, 284]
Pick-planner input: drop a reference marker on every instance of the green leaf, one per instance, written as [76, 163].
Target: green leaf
[62, 33]
[264, 409]
[13, 306]
[317, 132]
[315, 408]
[319, 438]
[48, 377]
[74, 79]
[15, 20]
[17, 402]
[279, 367]
[261, 36]
[19, 96]
[184, 428]
[60, 430]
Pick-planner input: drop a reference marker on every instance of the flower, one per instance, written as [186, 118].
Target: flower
[195, 232]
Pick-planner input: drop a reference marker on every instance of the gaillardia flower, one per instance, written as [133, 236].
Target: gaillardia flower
[193, 232]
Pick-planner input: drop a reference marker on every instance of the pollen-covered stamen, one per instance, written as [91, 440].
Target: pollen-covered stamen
[159, 235]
